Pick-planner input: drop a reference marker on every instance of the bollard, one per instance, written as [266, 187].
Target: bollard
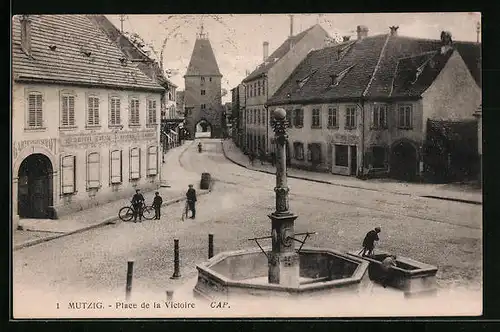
[176, 274]
[170, 295]
[210, 246]
[130, 272]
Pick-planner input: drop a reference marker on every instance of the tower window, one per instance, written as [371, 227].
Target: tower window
[202, 92]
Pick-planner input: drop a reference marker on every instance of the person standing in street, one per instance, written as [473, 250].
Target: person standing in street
[191, 200]
[157, 202]
[369, 241]
[137, 203]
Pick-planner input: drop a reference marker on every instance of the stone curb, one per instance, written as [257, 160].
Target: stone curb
[107, 221]
[348, 186]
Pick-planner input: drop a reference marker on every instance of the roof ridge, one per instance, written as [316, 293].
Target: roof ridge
[376, 66]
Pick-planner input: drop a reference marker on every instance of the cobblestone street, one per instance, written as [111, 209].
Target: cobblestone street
[443, 233]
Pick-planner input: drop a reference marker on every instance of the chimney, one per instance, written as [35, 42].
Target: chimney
[345, 38]
[291, 25]
[362, 31]
[265, 48]
[26, 34]
[394, 30]
[446, 42]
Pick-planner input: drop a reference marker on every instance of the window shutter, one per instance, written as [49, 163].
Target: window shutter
[71, 110]
[152, 160]
[64, 115]
[94, 170]
[383, 117]
[96, 111]
[135, 156]
[116, 166]
[68, 176]
[401, 116]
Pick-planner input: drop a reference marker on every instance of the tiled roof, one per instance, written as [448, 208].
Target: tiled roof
[276, 55]
[130, 49]
[380, 64]
[203, 62]
[73, 35]
[415, 74]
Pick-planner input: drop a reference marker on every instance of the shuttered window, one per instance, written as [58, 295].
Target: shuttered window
[135, 163]
[152, 111]
[134, 111]
[114, 111]
[35, 112]
[68, 174]
[115, 166]
[93, 111]
[152, 160]
[93, 170]
[67, 110]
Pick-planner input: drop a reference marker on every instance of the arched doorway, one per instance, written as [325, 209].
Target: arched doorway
[35, 187]
[203, 129]
[404, 161]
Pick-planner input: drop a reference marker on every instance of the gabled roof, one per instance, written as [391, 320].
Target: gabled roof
[382, 65]
[278, 54]
[130, 49]
[203, 62]
[73, 35]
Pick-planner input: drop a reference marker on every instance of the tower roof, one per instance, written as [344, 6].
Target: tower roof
[203, 62]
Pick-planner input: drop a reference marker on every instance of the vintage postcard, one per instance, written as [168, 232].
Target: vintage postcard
[193, 166]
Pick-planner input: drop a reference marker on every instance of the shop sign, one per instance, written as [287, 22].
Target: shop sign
[17, 147]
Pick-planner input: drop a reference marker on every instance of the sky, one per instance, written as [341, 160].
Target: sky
[237, 39]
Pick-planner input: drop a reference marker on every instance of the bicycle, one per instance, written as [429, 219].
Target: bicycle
[126, 213]
[185, 212]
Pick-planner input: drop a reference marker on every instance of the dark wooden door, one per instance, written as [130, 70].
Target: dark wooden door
[39, 197]
[354, 160]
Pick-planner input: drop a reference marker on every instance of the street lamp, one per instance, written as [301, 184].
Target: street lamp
[284, 261]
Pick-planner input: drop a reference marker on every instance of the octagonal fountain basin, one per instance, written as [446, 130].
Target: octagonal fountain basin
[238, 274]
[411, 276]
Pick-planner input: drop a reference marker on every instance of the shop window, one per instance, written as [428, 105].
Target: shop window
[298, 150]
[116, 167]
[68, 175]
[341, 155]
[135, 163]
[378, 157]
[93, 170]
[152, 160]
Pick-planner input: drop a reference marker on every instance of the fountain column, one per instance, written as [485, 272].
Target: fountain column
[283, 260]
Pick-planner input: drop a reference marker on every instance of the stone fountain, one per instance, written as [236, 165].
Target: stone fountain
[281, 269]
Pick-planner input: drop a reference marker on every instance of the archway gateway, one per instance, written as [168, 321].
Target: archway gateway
[203, 129]
[404, 159]
[35, 187]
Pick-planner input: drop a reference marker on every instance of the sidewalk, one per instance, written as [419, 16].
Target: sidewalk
[461, 193]
[40, 230]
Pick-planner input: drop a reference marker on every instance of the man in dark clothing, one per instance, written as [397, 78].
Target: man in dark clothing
[369, 241]
[157, 202]
[191, 200]
[137, 203]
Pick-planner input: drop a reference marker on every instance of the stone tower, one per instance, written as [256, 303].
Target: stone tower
[203, 100]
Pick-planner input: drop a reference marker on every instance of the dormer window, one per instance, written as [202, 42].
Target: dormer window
[303, 81]
[336, 78]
